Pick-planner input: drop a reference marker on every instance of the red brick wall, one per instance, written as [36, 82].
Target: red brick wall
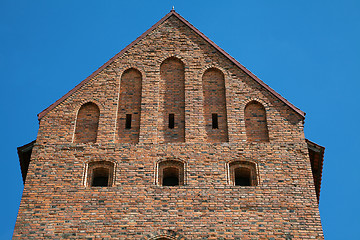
[87, 123]
[56, 203]
[215, 103]
[129, 103]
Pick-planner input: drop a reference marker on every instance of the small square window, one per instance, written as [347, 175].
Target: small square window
[100, 174]
[170, 173]
[242, 173]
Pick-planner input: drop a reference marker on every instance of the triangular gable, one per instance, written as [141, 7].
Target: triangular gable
[171, 13]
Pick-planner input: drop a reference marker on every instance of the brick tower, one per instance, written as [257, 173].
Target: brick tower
[172, 138]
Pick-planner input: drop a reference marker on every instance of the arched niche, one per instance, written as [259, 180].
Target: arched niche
[256, 123]
[87, 123]
[129, 111]
[215, 106]
[172, 100]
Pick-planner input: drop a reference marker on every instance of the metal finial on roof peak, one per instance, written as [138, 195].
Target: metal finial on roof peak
[173, 9]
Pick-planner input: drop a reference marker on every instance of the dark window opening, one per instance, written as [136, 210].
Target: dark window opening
[100, 181]
[215, 122]
[242, 177]
[100, 177]
[171, 120]
[171, 177]
[170, 173]
[128, 121]
[171, 181]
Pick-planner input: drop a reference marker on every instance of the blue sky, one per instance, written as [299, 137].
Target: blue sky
[308, 51]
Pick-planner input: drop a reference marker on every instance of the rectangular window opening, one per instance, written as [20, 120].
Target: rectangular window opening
[215, 123]
[171, 120]
[128, 121]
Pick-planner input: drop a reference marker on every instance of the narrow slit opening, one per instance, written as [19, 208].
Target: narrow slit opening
[171, 120]
[128, 121]
[215, 122]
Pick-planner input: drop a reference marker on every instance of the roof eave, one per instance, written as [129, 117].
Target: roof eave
[320, 149]
[24, 163]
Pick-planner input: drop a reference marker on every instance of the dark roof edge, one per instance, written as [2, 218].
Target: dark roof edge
[26, 146]
[172, 12]
[24, 163]
[321, 163]
[315, 144]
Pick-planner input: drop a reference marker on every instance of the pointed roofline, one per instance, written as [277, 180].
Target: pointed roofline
[171, 13]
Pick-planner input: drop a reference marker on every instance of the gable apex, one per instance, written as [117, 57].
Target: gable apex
[167, 16]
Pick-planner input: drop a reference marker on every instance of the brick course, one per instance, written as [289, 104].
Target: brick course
[57, 204]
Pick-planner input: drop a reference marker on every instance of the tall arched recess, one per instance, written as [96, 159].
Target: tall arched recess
[172, 100]
[215, 106]
[256, 123]
[87, 123]
[129, 112]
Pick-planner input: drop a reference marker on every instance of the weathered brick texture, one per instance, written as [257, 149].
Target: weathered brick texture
[171, 63]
